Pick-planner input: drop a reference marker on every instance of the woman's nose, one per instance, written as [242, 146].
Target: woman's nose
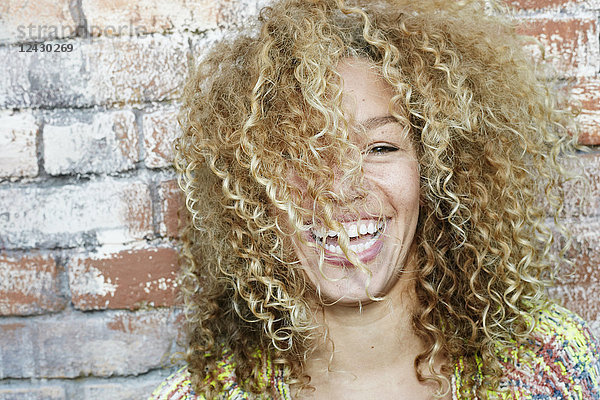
[348, 187]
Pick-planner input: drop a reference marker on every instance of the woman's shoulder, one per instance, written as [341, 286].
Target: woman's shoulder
[560, 335]
[561, 357]
[178, 386]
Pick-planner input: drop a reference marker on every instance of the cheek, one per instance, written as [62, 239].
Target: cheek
[399, 184]
[412, 188]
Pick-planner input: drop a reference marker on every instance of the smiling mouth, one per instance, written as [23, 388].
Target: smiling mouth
[363, 236]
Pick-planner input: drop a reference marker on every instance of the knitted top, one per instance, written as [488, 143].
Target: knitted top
[561, 361]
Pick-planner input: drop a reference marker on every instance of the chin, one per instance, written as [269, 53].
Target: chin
[348, 285]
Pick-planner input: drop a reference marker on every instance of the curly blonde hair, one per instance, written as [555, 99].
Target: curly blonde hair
[490, 138]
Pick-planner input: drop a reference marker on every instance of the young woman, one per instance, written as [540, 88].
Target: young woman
[364, 187]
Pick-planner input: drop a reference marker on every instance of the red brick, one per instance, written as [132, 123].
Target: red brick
[587, 92]
[29, 285]
[83, 142]
[571, 44]
[26, 21]
[171, 201]
[18, 143]
[125, 279]
[33, 393]
[160, 129]
[76, 344]
[103, 211]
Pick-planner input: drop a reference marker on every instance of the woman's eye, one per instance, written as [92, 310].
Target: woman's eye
[382, 149]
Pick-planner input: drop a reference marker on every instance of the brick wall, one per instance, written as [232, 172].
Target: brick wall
[569, 32]
[87, 195]
[88, 201]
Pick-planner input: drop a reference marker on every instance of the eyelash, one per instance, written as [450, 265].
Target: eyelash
[382, 149]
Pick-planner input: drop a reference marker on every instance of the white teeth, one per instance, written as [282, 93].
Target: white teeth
[319, 232]
[333, 249]
[363, 229]
[371, 228]
[369, 243]
[352, 230]
[359, 248]
[356, 248]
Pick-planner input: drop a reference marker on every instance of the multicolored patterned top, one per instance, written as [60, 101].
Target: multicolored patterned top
[561, 362]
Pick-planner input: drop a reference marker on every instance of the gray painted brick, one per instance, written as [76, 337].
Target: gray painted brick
[100, 211]
[78, 141]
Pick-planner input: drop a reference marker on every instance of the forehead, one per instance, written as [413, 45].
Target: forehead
[366, 94]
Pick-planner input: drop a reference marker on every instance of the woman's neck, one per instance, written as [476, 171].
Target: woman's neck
[375, 336]
[369, 351]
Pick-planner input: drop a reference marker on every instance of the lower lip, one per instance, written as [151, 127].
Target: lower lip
[364, 256]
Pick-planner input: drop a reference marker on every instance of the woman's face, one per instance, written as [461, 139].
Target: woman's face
[391, 178]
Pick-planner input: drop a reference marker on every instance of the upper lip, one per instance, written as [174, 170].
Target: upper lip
[353, 217]
[357, 217]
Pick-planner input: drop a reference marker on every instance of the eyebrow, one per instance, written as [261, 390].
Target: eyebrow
[376, 122]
